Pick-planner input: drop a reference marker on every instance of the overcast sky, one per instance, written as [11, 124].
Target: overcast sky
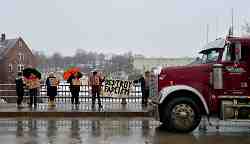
[158, 28]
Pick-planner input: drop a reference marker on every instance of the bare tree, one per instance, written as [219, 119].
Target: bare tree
[56, 61]
[42, 60]
[88, 61]
[246, 28]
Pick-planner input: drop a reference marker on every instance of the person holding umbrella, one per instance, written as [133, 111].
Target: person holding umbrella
[73, 75]
[52, 83]
[32, 81]
[75, 84]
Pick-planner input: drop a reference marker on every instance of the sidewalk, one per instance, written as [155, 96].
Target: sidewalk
[68, 110]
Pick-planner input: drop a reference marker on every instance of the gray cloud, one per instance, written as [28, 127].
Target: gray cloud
[170, 28]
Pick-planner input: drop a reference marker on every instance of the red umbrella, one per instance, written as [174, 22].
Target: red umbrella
[66, 75]
[70, 72]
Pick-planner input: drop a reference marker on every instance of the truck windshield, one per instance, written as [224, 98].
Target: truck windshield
[210, 56]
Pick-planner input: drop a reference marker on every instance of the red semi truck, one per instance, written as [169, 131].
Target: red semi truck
[218, 86]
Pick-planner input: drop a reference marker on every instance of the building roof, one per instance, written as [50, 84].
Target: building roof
[6, 45]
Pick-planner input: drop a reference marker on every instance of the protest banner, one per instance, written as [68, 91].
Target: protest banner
[117, 88]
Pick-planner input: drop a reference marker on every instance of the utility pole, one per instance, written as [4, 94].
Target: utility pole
[232, 25]
[207, 31]
[231, 29]
[216, 27]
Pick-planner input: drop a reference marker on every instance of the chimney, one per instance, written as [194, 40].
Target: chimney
[3, 37]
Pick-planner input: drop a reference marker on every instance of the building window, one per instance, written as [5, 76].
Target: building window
[20, 44]
[20, 67]
[20, 56]
[10, 68]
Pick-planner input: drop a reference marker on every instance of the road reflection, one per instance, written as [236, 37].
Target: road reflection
[75, 131]
[95, 128]
[19, 129]
[95, 131]
[145, 128]
[51, 131]
[163, 137]
[33, 131]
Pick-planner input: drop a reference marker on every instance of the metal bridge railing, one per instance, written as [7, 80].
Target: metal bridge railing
[8, 92]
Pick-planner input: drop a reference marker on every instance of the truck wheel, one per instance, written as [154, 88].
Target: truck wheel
[182, 114]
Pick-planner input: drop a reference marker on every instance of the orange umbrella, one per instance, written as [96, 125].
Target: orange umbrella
[66, 75]
[69, 72]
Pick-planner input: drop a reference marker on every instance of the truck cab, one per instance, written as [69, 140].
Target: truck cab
[218, 85]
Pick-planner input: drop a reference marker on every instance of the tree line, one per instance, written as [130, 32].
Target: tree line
[87, 61]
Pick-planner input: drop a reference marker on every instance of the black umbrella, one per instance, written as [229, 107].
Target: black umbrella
[78, 74]
[28, 71]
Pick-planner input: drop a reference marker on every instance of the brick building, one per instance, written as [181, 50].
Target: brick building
[15, 55]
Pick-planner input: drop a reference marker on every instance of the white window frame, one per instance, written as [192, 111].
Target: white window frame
[20, 67]
[20, 56]
[10, 67]
[20, 44]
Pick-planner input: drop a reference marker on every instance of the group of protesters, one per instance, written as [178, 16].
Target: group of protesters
[33, 84]
[95, 81]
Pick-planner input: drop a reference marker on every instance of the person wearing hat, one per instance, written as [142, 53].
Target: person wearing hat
[19, 88]
[52, 84]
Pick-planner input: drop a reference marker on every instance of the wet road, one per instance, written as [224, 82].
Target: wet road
[112, 131]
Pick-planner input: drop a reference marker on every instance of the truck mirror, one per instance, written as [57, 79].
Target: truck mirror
[237, 51]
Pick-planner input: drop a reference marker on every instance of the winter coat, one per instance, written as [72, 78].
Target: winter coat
[143, 83]
[19, 86]
[73, 88]
[51, 89]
